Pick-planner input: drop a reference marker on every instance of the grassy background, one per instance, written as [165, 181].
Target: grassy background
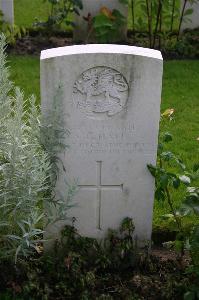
[180, 91]
[27, 10]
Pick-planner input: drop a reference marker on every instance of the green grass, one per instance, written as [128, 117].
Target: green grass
[27, 10]
[25, 74]
[180, 91]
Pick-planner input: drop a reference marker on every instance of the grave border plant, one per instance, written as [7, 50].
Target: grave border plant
[169, 173]
[59, 15]
[28, 169]
[11, 31]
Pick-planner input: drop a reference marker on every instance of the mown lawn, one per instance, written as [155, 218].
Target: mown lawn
[180, 91]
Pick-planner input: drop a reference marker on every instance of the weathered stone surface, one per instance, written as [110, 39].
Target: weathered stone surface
[193, 21]
[7, 8]
[93, 8]
[112, 106]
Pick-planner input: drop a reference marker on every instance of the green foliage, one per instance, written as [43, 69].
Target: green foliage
[85, 268]
[12, 32]
[107, 26]
[59, 13]
[77, 266]
[160, 20]
[28, 169]
[166, 181]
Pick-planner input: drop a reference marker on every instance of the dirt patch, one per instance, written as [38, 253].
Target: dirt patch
[33, 45]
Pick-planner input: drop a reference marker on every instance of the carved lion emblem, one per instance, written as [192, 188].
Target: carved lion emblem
[101, 90]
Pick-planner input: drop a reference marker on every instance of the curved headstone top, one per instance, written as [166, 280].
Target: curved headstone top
[100, 49]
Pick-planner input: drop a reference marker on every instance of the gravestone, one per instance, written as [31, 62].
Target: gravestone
[191, 21]
[111, 97]
[7, 7]
[93, 7]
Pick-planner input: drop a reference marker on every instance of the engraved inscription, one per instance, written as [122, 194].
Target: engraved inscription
[106, 140]
[100, 92]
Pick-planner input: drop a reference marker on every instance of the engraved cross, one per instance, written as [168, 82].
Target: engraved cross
[99, 187]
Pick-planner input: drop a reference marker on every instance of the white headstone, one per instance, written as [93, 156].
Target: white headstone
[93, 7]
[193, 21]
[112, 104]
[7, 7]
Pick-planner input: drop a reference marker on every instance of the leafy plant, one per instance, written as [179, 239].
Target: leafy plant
[167, 181]
[27, 170]
[107, 25]
[11, 31]
[59, 14]
[157, 19]
[83, 264]
[190, 206]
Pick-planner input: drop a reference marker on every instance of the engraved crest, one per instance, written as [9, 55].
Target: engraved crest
[102, 91]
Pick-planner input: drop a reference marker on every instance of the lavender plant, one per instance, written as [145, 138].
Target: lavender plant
[27, 169]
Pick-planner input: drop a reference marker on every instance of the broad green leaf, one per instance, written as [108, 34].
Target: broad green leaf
[101, 21]
[185, 179]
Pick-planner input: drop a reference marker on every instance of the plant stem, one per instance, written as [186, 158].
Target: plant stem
[149, 22]
[181, 18]
[172, 14]
[178, 221]
[172, 208]
[157, 21]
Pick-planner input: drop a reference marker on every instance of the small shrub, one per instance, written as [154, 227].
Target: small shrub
[11, 31]
[107, 25]
[28, 169]
[59, 14]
